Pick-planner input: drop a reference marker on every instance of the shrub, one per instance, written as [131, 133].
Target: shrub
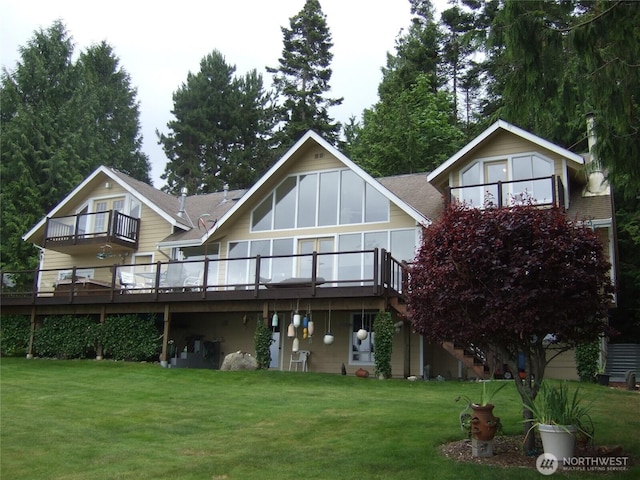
[66, 336]
[14, 335]
[383, 328]
[587, 358]
[130, 337]
[262, 339]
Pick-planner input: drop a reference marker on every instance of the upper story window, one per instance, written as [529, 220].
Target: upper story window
[527, 176]
[338, 197]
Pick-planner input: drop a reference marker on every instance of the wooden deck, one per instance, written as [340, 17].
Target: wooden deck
[382, 280]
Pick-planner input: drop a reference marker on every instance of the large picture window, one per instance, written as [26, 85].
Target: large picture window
[339, 197]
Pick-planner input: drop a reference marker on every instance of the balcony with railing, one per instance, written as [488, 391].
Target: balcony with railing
[354, 274]
[70, 233]
[541, 191]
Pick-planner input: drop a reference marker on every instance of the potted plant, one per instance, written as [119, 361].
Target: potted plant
[601, 376]
[560, 417]
[477, 417]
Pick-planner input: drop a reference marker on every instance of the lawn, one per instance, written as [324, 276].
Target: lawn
[115, 420]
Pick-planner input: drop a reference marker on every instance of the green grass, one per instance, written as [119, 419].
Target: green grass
[114, 420]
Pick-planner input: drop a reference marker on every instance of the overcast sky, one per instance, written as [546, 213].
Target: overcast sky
[159, 43]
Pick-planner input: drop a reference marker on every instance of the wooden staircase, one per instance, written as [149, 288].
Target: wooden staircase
[468, 360]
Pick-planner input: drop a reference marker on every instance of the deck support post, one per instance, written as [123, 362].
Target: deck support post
[32, 332]
[164, 356]
[99, 347]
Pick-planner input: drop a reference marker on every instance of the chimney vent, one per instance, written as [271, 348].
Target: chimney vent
[183, 199]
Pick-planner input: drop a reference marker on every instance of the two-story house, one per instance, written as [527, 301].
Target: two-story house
[315, 236]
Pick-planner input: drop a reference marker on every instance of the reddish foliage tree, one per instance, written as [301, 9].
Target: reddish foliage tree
[508, 280]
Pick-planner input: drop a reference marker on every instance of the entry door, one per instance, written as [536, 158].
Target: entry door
[325, 262]
[274, 350]
[102, 207]
[495, 172]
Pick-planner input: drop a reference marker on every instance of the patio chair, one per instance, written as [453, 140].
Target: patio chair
[127, 282]
[299, 358]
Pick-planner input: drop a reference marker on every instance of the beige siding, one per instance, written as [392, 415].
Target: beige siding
[563, 366]
[505, 145]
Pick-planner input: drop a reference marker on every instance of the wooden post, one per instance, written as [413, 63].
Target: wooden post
[164, 356]
[32, 332]
[99, 348]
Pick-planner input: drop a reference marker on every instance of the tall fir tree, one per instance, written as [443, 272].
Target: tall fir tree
[303, 75]
[112, 114]
[222, 129]
[47, 146]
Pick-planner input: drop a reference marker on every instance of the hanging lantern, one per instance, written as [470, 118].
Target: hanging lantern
[274, 320]
[291, 332]
[310, 328]
[296, 345]
[362, 334]
[296, 320]
[328, 338]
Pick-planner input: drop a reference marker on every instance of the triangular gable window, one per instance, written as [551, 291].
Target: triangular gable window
[338, 197]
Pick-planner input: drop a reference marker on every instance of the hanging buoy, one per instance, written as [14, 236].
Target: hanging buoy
[305, 321]
[274, 320]
[296, 345]
[305, 333]
[362, 334]
[296, 320]
[328, 339]
[291, 332]
[310, 328]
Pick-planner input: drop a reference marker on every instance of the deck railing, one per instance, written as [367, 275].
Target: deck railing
[542, 191]
[106, 226]
[372, 269]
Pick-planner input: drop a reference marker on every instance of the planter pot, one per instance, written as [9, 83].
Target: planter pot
[559, 441]
[603, 379]
[483, 423]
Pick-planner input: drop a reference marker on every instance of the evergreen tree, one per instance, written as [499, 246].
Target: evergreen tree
[54, 132]
[417, 53]
[410, 132]
[303, 75]
[221, 132]
[112, 115]
[553, 62]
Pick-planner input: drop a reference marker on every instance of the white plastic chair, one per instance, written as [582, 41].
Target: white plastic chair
[299, 358]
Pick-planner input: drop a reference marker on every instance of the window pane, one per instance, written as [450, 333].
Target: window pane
[376, 205]
[403, 244]
[282, 268]
[262, 215]
[262, 248]
[349, 265]
[373, 240]
[328, 207]
[471, 195]
[286, 204]
[307, 198]
[362, 351]
[351, 190]
[237, 269]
